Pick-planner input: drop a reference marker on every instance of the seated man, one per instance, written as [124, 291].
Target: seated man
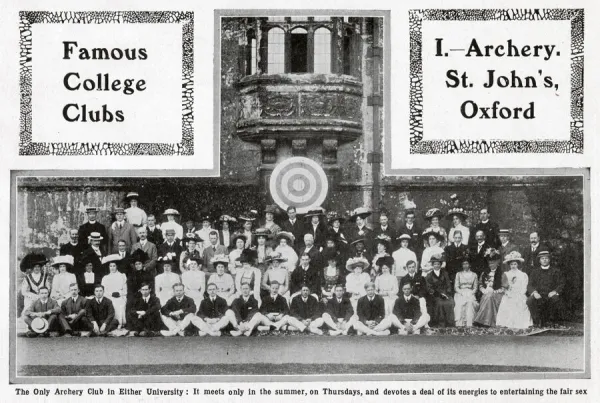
[144, 313]
[244, 314]
[101, 313]
[305, 312]
[177, 312]
[339, 314]
[211, 316]
[370, 310]
[45, 308]
[73, 314]
[546, 283]
[407, 315]
[274, 307]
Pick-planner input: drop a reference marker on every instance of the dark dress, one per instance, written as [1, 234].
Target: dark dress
[442, 308]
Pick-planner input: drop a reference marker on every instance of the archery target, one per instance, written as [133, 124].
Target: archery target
[299, 182]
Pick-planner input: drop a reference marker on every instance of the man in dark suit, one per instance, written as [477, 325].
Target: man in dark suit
[307, 274]
[530, 253]
[305, 312]
[143, 317]
[137, 276]
[477, 253]
[506, 246]
[72, 316]
[43, 307]
[489, 228]
[211, 317]
[407, 314]
[75, 249]
[149, 248]
[360, 230]
[546, 284]
[315, 227]
[274, 307]
[154, 233]
[311, 250]
[409, 227]
[121, 230]
[370, 311]
[294, 225]
[244, 314]
[415, 279]
[173, 247]
[86, 229]
[211, 251]
[384, 228]
[455, 252]
[178, 312]
[339, 314]
[101, 313]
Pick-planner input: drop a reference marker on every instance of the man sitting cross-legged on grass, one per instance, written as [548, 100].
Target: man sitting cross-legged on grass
[178, 312]
[339, 314]
[73, 316]
[45, 308]
[244, 314]
[370, 310]
[144, 314]
[408, 315]
[305, 312]
[275, 308]
[101, 313]
[212, 316]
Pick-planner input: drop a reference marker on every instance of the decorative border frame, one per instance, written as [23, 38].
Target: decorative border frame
[420, 146]
[28, 18]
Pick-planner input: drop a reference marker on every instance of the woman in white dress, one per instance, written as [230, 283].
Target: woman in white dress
[513, 311]
[277, 272]
[239, 241]
[402, 256]
[63, 280]
[164, 282]
[284, 239]
[383, 245]
[386, 283]
[433, 249]
[434, 216]
[171, 213]
[465, 303]
[115, 287]
[35, 279]
[356, 280]
[223, 281]
[194, 281]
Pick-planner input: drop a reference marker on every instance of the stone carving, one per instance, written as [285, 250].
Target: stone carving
[277, 104]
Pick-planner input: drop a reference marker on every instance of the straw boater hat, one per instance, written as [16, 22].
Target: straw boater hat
[264, 232]
[543, 253]
[238, 236]
[39, 325]
[436, 258]
[385, 261]
[357, 262]
[286, 235]
[459, 211]
[170, 231]
[433, 212]
[315, 212]
[275, 256]
[404, 236]
[333, 216]
[95, 236]
[513, 256]
[221, 258]
[383, 239]
[171, 211]
[503, 231]
[33, 259]
[92, 209]
[132, 195]
[67, 260]
[249, 215]
[106, 260]
[118, 210]
[361, 212]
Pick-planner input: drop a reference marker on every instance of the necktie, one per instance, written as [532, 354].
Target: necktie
[98, 300]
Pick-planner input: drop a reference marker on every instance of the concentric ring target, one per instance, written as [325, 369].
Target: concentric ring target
[299, 182]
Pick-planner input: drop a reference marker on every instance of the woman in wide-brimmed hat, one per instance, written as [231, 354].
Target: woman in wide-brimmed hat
[262, 248]
[277, 271]
[239, 244]
[331, 274]
[194, 281]
[434, 216]
[433, 240]
[458, 217]
[382, 243]
[206, 228]
[115, 287]
[270, 211]
[36, 277]
[490, 288]
[226, 223]
[248, 274]
[284, 241]
[62, 281]
[356, 280]
[193, 247]
[171, 214]
[135, 215]
[224, 281]
[386, 283]
[360, 230]
[164, 282]
[513, 311]
[247, 219]
[403, 255]
[315, 226]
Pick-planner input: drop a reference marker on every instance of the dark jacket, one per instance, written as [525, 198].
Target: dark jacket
[370, 310]
[156, 236]
[244, 310]
[545, 281]
[135, 280]
[311, 277]
[176, 248]
[437, 286]
[407, 310]
[277, 305]
[87, 289]
[318, 234]
[172, 305]
[485, 276]
[339, 310]
[531, 260]
[297, 229]
[152, 308]
[305, 310]
[313, 253]
[416, 243]
[490, 229]
[454, 258]
[102, 313]
[389, 231]
[69, 307]
[211, 310]
[478, 260]
[86, 229]
[75, 251]
[37, 306]
[418, 283]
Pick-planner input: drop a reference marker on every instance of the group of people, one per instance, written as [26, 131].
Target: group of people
[137, 278]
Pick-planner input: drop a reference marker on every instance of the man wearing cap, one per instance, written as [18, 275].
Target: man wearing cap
[440, 291]
[211, 316]
[384, 228]
[530, 253]
[74, 248]
[44, 308]
[489, 228]
[315, 227]
[407, 315]
[506, 246]
[171, 248]
[144, 313]
[409, 227]
[73, 314]
[293, 225]
[171, 224]
[101, 313]
[312, 250]
[306, 274]
[402, 256]
[177, 312]
[86, 229]
[370, 311]
[135, 215]
[154, 232]
[211, 250]
[225, 232]
[546, 284]
[360, 229]
[120, 230]
[305, 312]
[339, 314]
[149, 248]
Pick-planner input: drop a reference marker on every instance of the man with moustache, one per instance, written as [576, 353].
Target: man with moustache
[153, 231]
[149, 248]
[530, 253]
[121, 230]
[86, 229]
[490, 229]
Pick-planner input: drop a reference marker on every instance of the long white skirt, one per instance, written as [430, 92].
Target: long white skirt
[513, 312]
[119, 305]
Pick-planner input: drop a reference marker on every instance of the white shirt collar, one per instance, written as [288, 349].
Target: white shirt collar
[545, 267]
[486, 221]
